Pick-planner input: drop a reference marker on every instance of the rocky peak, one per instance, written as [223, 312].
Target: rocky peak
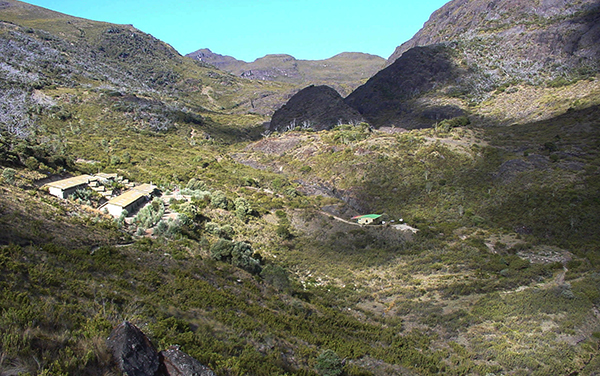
[224, 62]
[315, 107]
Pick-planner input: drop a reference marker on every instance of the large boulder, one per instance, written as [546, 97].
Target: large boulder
[135, 355]
[133, 351]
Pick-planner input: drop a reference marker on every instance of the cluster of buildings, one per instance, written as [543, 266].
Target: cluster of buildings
[130, 200]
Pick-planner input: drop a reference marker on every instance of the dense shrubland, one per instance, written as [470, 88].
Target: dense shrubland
[254, 279]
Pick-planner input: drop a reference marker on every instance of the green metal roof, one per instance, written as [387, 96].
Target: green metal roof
[372, 216]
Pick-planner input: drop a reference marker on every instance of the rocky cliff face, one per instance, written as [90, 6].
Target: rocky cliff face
[518, 35]
[315, 107]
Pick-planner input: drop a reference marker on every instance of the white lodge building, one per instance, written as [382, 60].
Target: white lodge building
[64, 188]
[130, 200]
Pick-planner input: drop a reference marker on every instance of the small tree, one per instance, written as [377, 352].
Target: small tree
[219, 200]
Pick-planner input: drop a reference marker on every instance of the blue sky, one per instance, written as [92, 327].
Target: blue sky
[249, 29]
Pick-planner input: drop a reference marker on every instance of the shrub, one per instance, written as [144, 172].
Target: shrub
[239, 254]
[219, 200]
[242, 209]
[221, 250]
[196, 185]
[32, 163]
[283, 230]
[329, 364]
[276, 276]
[242, 257]
[9, 175]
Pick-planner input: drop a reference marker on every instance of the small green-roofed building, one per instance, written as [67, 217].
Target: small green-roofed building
[368, 219]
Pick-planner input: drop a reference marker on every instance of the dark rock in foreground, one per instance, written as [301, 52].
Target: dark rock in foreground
[135, 356]
[133, 352]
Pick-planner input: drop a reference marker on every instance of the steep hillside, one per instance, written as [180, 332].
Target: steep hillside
[42, 48]
[507, 49]
[521, 33]
[344, 72]
[389, 97]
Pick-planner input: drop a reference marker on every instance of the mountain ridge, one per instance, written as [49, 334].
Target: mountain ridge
[344, 71]
[548, 23]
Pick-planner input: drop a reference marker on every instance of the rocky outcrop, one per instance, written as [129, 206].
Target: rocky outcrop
[135, 356]
[133, 351]
[386, 98]
[314, 107]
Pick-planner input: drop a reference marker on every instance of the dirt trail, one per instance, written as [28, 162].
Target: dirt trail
[560, 277]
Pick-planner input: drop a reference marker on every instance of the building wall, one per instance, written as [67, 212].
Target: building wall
[56, 192]
[114, 210]
[60, 193]
[136, 204]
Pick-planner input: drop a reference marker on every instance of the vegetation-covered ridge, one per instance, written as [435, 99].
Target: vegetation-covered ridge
[43, 48]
